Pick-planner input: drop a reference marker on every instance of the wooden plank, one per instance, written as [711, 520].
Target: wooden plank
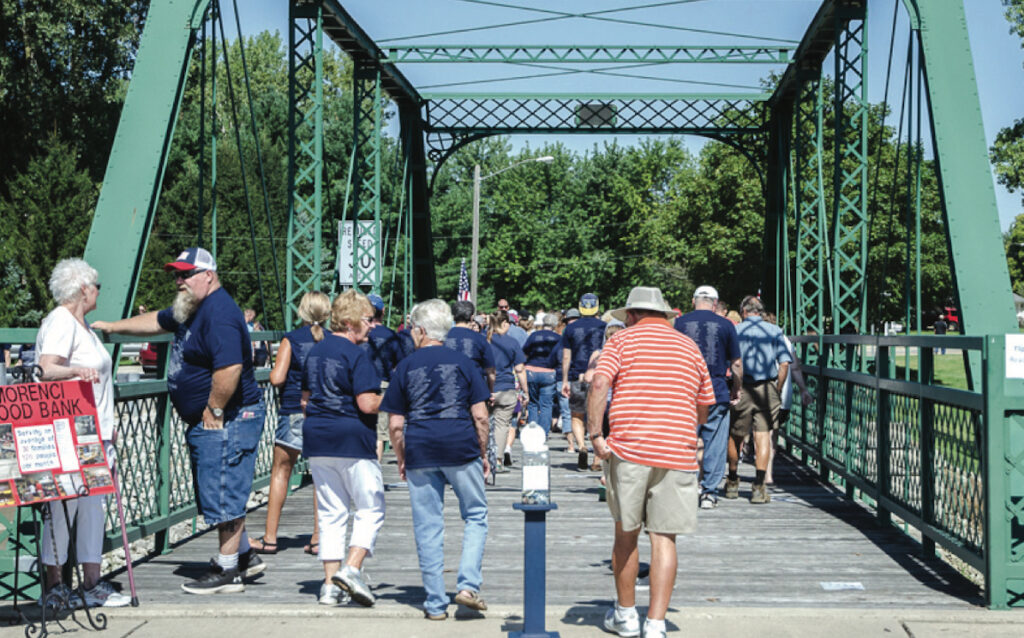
[741, 555]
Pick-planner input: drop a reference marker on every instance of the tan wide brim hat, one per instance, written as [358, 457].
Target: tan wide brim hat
[644, 298]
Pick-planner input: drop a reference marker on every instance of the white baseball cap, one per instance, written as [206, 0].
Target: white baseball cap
[706, 291]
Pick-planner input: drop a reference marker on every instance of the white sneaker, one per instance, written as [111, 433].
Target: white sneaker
[626, 627]
[651, 632]
[330, 594]
[104, 595]
[708, 501]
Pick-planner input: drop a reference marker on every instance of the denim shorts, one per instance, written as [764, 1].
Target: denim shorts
[224, 462]
[289, 430]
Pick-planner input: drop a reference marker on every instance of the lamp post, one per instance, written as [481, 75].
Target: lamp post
[476, 216]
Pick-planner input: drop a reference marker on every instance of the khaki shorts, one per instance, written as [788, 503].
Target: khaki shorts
[663, 501]
[382, 418]
[757, 409]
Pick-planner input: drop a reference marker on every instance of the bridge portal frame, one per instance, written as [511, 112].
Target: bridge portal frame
[830, 228]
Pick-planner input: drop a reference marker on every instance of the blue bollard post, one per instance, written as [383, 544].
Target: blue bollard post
[534, 572]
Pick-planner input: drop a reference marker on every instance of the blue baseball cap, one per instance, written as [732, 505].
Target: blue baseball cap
[589, 304]
[376, 301]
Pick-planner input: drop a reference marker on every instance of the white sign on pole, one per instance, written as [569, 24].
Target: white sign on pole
[346, 244]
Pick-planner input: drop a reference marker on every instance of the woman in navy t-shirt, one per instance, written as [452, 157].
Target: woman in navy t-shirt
[508, 366]
[542, 352]
[314, 311]
[339, 385]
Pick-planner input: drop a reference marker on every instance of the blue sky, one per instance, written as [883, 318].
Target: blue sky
[998, 56]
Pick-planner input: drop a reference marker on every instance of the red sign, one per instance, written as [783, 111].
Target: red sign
[50, 447]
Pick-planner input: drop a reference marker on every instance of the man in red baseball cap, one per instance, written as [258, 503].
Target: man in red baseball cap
[211, 384]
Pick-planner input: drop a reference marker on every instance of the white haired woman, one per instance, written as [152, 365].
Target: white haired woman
[339, 437]
[68, 349]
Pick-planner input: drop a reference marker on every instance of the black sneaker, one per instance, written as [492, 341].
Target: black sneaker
[581, 461]
[216, 581]
[250, 564]
[508, 460]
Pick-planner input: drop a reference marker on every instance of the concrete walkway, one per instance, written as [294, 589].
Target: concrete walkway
[293, 621]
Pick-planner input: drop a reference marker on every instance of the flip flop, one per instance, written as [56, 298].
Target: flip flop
[264, 547]
[312, 549]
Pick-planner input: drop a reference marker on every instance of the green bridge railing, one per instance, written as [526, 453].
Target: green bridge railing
[948, 462]
[152, 465]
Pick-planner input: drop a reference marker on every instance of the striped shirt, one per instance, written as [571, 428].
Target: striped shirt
[658, 379]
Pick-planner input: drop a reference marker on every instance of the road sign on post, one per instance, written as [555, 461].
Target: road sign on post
[365, 271]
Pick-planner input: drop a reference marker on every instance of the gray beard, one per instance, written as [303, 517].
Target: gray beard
[185, 305]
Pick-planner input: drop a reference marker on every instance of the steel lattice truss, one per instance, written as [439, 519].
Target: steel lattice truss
[576, 54]
[453, 118]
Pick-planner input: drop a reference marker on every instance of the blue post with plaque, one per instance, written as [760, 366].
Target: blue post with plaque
[534, 571]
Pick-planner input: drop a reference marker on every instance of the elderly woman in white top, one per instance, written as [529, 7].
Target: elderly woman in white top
[68, 349]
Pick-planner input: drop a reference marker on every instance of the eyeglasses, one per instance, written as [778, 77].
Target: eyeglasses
[187, 274]
[98, 286]
[502, 307]
[368, 319]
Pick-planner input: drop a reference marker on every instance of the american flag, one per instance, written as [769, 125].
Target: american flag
[463, 284]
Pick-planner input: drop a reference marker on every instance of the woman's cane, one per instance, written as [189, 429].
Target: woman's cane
[124, 537]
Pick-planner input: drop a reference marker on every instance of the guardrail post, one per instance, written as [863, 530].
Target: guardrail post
[882, 454]
[1003, 469]
[926, 407]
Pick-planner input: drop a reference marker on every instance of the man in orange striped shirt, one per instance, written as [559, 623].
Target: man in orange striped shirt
[661, 391]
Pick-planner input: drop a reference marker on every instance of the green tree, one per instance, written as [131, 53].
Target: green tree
[64, 65]
[1007, 154]
[44, 218]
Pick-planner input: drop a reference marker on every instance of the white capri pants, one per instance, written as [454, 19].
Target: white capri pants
[342, 485]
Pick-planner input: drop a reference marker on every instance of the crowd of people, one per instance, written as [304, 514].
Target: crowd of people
[665, 398]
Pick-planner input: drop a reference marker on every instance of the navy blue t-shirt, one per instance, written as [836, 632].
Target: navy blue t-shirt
[582, 337]
[507, 355]
[301, 341]
[384, 350]
[337, 371]
[212, 338]
[472, 344]
[406, 345]
[542, 349]
[434, 389]
[716, 337]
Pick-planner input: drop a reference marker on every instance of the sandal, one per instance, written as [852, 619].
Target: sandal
[312, 548]
[263, 546]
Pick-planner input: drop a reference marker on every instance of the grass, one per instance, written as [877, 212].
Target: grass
[949, 370]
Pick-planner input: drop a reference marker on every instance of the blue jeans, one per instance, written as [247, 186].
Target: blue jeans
[542, 394]
[564, 413]
[426, 495]
[224, 462]
[716, 442]
[289, 431]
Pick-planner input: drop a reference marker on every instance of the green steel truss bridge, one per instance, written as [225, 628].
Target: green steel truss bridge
[949, 463]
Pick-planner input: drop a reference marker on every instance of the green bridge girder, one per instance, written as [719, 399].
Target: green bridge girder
[781, 133]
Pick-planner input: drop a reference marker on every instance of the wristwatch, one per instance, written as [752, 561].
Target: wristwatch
[216, 412]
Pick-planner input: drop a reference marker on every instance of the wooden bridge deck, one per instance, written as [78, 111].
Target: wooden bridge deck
[742, 554]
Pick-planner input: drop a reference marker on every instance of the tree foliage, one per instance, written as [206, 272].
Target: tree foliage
[1007, 154]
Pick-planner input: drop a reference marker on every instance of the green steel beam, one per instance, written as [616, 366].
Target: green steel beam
[812, 240]
[131, 185]
[420, 264]
[972, 217]
[305, 153]
[345, 32]
[368, 108]
[577, 54]
[760, 96]
[850, 170]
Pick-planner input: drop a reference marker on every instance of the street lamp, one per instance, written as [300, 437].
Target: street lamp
[476, 215]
